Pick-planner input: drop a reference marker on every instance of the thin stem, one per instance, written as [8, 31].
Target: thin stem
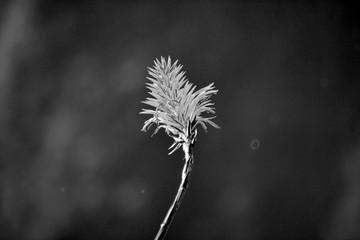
[189, 161]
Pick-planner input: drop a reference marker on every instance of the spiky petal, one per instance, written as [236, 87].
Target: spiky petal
[177, 107]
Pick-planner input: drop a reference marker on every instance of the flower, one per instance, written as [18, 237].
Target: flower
[177, 106]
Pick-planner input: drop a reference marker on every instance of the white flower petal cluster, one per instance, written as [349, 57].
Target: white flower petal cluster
[177, 107]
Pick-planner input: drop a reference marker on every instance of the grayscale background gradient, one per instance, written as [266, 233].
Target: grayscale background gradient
[75, 165]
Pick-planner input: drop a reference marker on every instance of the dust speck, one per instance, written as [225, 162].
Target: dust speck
[254, 144]
[324, 82]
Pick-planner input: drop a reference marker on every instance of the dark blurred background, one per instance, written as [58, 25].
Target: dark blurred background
[75, 165]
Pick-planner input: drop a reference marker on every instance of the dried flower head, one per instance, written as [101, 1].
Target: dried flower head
[177, 106]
